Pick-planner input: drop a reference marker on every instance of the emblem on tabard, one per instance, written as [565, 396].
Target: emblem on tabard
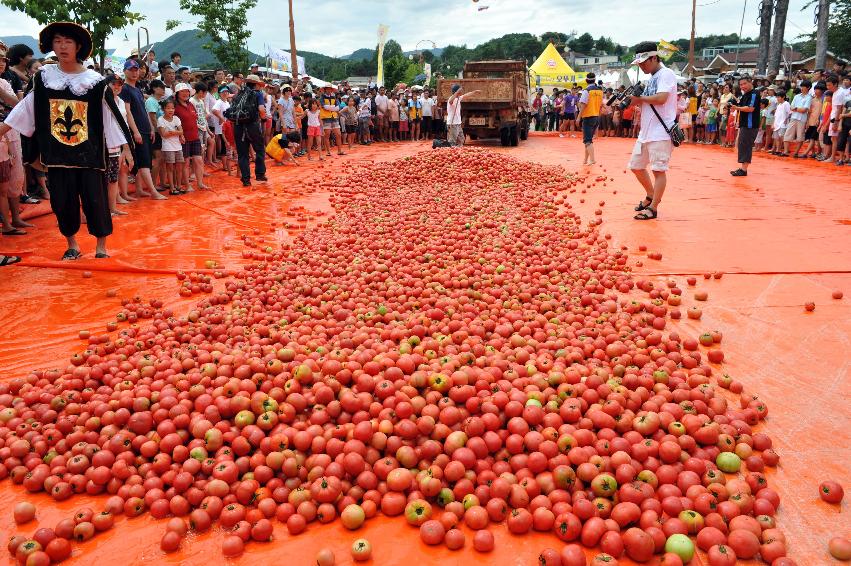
[68, 121]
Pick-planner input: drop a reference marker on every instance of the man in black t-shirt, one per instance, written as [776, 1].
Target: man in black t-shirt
[749, 117]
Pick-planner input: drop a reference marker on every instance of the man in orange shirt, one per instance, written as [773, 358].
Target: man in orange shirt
[590, 103]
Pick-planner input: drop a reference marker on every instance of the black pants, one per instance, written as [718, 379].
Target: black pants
[71, 187]
[250, 135]
[844, 131]
[747, 136]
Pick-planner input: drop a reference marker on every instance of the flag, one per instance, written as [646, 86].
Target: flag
[666, 50]
[382, 37]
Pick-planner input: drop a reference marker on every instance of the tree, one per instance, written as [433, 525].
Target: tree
[226, 23]
[428, 55]
[556, 38]
[775, 47]
[100, 17]
[391, 49]
[838, 30]
[604, 45]
[583, 44]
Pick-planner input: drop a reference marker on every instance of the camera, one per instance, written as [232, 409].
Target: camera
[623, 99]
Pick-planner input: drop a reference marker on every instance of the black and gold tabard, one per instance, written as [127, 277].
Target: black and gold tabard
[69, 128]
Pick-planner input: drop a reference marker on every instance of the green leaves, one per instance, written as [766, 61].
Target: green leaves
[100, 17]
[226, 23]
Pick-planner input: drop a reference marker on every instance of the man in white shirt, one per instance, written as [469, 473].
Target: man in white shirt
[841, 95]
[427, 102]
[453, 115]
[781, 121]
[653, 146]
[381, 101]
[798, 121]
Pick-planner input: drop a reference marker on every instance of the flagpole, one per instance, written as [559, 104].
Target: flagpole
[691, 41]
[293, 55]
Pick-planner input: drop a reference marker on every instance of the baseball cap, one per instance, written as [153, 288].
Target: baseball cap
[131, 64]
[644, 51]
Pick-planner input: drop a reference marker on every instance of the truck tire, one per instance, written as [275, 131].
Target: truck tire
[504, 139]
[524, 131]
[513, 136]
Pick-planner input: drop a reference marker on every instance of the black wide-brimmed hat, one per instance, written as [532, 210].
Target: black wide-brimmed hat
[80, 34]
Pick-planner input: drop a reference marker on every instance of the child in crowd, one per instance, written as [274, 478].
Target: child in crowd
[616, 122]
[403, 119]
[732, 128]
[824, 128]
[781, 120]
[627, 119]
[314, 130]
[364, 115]
[171, 132]
[700, 125]
[763, 106]
[725, 118]
[116, 178]
[813, 120]
[712, 121]
[230, 146]
[349, 114]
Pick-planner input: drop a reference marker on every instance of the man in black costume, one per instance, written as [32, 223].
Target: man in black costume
[72, 119]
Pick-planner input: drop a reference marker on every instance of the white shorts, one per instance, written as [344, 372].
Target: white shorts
[778, 132]
[656, 154]
[795, 131]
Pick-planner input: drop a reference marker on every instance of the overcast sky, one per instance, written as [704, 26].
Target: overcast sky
[338, 27]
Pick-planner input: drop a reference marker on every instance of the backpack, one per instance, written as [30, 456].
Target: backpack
[245, 108]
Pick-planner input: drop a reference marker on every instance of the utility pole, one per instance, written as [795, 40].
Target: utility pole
[822, 17]
[691, 41]
[293, 55]
[739, 42]
[775, 48]
[766, 10]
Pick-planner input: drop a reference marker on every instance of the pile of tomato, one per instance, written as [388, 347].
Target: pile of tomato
[455, 345]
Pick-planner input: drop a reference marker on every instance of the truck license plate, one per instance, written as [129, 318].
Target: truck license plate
[478, 121]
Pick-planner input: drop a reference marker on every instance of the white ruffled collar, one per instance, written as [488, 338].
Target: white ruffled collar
[55, 78]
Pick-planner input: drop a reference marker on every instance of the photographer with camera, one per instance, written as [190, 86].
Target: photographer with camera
[658, 124]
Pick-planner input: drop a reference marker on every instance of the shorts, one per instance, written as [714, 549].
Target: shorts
[192, 149]
[314, 131]
[778, 133]
[363, 126]
[172, 156]
[351, 128]
[711, 128]
[113, 165]
[825, 139]
[330, 124]
[14, 187]
[685, 120]
[570, 116]
[403, 126]
[158, 143]
[142, 155]
[426, 124]
[589, 128]
[267, 124]
[811, 133]
[627, 124]
[795, 131]
[656, 154]
[230, 152]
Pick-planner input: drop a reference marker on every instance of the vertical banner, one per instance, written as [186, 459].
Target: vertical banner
[427, 70]
[382, 37]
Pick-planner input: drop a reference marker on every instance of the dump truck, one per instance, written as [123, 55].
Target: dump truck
[501, 109]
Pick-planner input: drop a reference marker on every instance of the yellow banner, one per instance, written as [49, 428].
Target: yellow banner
[666, 50]
[382, 37]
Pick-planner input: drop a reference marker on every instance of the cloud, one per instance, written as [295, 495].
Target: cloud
[338, 27]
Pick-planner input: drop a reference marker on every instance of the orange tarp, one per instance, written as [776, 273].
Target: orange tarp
[780, 236]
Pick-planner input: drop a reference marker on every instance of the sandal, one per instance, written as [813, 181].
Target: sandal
[71, 254]
[644, 204]
[14, 232]
[175, 192]
[646, 214]
[8, 260]
[27, 199]
[101, 255]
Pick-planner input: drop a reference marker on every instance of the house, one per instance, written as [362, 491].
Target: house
[745, 63]
[593, 62]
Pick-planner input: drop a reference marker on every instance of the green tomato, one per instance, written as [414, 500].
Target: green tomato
[728, 462]
[680, 545]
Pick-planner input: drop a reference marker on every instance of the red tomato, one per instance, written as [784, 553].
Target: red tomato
[829, 491]
[454, 539]
[483, 541]
[721, 555]
[432, 532]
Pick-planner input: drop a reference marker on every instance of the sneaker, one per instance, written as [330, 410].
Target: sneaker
[27, 199]
[246, 183]
[739, 173]
[262, 178]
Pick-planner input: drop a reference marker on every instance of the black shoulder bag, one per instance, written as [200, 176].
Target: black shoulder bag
[677, 135]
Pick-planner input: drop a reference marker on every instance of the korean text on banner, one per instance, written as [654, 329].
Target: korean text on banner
[280, 60]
